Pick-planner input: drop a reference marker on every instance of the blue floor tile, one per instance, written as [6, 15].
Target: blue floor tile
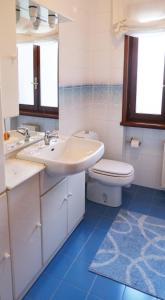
[43, 288]
[141, 207]
[125, 203]
[126, 195]
[91, 219]
[90, 249]
[92, 297]
[157, 211]
[77, 240]
[160, 193]
[105, 223]
[80, 276]
[107, 289]
[159, 201]
[144, 195]
[59, 266]
[111, 212]
[69, 292]
[94, 208]
[131, 294]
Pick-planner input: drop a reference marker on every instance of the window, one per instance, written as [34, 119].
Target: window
[144, 81]
[38, 79]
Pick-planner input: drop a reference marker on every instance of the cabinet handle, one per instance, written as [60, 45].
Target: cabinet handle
[69, 195]
[65, 199]
[5, 256]
[38, 225]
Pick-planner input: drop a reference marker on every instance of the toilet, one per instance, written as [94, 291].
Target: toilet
[107, 177]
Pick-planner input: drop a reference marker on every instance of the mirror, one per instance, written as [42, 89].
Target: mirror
[37, 48]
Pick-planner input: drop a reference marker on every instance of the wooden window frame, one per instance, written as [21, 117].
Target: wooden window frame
[129, 115]
[36, 109]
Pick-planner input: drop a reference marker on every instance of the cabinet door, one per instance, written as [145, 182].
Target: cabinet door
[5, 263]
[47, 182]
[76, 199]
[25, 231]
[8, 28]
[54, 219]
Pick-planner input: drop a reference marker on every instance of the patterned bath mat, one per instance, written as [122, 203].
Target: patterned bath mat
[133, 253]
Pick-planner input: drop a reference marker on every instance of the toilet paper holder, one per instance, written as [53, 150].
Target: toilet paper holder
[132, 138]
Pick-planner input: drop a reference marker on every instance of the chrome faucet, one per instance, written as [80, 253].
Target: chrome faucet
[49, 135]
[24, 131]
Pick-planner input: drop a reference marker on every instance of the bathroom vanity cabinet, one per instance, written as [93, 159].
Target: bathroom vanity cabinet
[43, 211]
[5, 261]
[62, 208]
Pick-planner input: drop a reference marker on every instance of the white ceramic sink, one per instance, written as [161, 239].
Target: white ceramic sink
[64, 155]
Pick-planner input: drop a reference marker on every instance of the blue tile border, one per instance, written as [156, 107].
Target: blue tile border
[92, 86]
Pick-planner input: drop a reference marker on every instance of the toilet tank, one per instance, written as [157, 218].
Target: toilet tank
[87, 134]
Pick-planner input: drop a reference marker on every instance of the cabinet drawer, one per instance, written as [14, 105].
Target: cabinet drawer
[47, 182]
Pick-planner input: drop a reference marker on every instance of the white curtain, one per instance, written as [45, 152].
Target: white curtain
[133, 16]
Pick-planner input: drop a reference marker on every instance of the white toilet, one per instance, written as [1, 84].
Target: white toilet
[106, 178]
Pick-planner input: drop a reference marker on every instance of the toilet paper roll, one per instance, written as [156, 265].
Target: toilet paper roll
[135, 143]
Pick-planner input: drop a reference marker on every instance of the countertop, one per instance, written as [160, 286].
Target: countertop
[17, 171]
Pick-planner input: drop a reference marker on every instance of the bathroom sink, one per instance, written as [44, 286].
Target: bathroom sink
[65, 155]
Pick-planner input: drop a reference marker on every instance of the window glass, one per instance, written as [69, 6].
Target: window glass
[150, 72]
[49, 74]
[25, 74]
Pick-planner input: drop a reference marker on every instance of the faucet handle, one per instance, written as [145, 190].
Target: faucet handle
[27, 131]
[47, 137]
[47, 132]
[27, 135]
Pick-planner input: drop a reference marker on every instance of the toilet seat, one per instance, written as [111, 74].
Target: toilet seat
[112, 172]
[112, 168]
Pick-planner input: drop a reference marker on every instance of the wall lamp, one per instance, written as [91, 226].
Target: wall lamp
[33, 12]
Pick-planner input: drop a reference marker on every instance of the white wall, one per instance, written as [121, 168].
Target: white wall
[73, 70]
[91, 55]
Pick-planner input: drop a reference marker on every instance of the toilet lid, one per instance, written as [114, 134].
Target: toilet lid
[112, 167]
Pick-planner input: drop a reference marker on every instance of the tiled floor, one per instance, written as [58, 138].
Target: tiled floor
[67, 276]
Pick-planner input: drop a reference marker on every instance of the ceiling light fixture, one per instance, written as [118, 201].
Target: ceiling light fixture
[17, 14]
[33, 12]
[36, 24]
